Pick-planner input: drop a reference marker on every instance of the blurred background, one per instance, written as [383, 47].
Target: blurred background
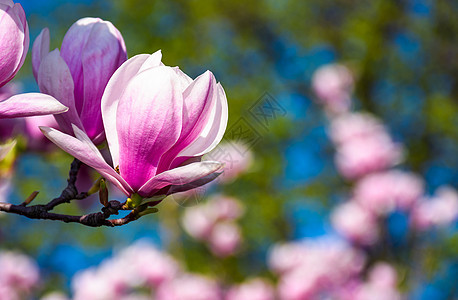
[399, 60]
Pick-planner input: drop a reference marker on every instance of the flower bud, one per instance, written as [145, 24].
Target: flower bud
[14, 39]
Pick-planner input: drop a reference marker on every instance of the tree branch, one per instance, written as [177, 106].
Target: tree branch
[70, 193]
[93, 220]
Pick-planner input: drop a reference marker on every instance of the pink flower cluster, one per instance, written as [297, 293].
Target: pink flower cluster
[365, 152]
[141, 265]
[213, 222]
[141, 271]
[311, 269]
[19, 276]
[327, 268]
[363, 145]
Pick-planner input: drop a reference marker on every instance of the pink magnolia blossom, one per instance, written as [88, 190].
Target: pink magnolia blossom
[361, 156]
[91, 51]
[151, 266]
[18, 272]
[333, 85]
[316, 267]
[138, 266]
[253, 289]
[225, 239]
[14, 39]
[158, 122]
[352, 126]
[383, 192]
[381, 284]
[355, 223]
[441, 210]
[199, 220]
[189, 287]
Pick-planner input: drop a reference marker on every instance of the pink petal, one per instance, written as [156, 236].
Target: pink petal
[54, 78]
[30, 104]
[88, 154]
[149, 121]
[213, 131]
[199, 99]
[12, 39]
[180, 176]
[102, 55]
[110, 99]
[40, 49]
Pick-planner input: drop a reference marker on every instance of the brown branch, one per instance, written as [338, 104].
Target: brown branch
[70, 193]
[93, 220]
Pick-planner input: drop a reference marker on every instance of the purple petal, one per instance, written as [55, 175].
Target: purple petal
[181, 176]
[113, 91]
[149, 122]
[102, 55]
[87, 152]
[199, 99]
[213, 131]
[13, 37]
[40, 49]
[54, 79]
[30, 104]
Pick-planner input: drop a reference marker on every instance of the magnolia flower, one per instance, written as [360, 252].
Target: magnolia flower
[91, 51]
[158, 122]
[189, 287]
[253, 289]
[225, 239]
[381, 193]
[355, 223]
[18, 272]
[14, 39]
[333, 85]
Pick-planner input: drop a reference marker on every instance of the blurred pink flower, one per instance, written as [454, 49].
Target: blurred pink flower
[441, 210]
[253, 289]
[212, 222]
[18, 272]
[361, 156]
[91, 52]
[96, 285]
[383, 192]
[189, 287]
[352, 126]
[151, 266]
[54, 296]
[381, 284]
[236, 157]
[14, 39]
[198, 222]
[333, 85]
[321, 266]
[224, 208]
[355, 223]
[225, 239]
